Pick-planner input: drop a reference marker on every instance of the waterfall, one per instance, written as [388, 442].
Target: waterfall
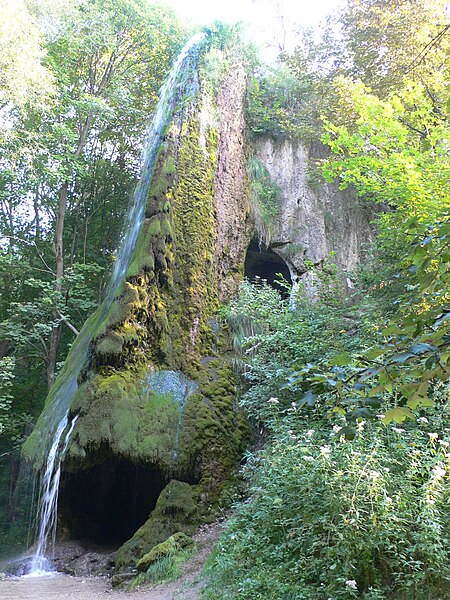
[54, 418]
[48, 502]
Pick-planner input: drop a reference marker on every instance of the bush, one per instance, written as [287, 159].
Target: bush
[327, 518]
[270, 337]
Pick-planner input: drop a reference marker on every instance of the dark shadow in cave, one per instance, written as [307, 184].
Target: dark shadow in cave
[266, 264]
[106, 503]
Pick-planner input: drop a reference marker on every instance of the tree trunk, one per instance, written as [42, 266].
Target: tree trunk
[58, 246]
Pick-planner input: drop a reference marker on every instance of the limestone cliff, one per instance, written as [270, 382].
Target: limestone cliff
[158, 432]
[315, 219]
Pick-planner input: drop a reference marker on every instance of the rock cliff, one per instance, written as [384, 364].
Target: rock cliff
[316, 220]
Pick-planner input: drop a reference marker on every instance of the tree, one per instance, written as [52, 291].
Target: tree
[382, 42]
[108, 60]
[24, 79]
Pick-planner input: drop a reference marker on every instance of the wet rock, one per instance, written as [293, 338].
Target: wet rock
[121, 578]
[77, 560]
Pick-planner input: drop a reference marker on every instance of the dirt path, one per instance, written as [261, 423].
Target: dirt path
[64, 587]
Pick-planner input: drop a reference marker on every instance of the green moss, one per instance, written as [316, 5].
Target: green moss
[214, 431]
[176, 511]
[169, 166]
[162, 318]
[158, 429]
[122, 307]
[108, 414]
[173, 544]
[111, 344]
[120, 411]
[143, 258]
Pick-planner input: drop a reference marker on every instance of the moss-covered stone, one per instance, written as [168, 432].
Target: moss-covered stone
[176, 511]
[119, 411]
[162, 318]
[172, 545]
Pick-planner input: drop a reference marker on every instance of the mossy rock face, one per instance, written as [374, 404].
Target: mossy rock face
[176, 511]
[131, 414]
[173, 544]
[163, 320]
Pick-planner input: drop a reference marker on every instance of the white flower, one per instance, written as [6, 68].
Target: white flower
[388, 500]
[433, 436]
[444, 443]
[336, 428]
[325, 451]
[351, 583]
[273, 401]
[310, 432]
[422, 420]
[308, 458]
[398, 430]
[438, 471]
[360, 426]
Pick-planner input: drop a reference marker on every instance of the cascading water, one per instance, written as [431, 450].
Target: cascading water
[49, 498]
[55, 416]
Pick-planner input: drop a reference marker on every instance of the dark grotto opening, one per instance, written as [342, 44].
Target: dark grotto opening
[266, 264]
[106, 503]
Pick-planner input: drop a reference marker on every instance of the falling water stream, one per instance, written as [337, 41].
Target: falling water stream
[54, 419]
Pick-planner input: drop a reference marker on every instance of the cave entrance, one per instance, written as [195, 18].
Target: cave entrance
[105, 504]
[266, 264]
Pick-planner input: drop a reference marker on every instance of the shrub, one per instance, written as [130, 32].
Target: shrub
[328, 518]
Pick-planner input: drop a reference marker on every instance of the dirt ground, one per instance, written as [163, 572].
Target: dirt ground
[64, 587]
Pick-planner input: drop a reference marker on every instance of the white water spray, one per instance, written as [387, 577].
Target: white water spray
[55, 416]
[49, 499]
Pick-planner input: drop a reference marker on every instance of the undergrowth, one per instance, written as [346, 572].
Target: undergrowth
[165, 569]
[327, 517]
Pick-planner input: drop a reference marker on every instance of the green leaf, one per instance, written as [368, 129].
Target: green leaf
[308, 398]
[402, 357]
[398, 415]
[418, 402]
[343, 359]
[348, 432]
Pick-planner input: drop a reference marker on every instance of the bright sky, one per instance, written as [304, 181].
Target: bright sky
[266, 19]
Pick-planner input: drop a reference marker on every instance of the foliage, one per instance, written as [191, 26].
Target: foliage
[396, 153]
[329, 518]
[166, 568]
[384, 42]
[412, 354]
[279, 104]
[73, 126]
[270, 337]
[265, 200]
[342, 502]
[24, 79]
[27, 325]
[6, 382]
